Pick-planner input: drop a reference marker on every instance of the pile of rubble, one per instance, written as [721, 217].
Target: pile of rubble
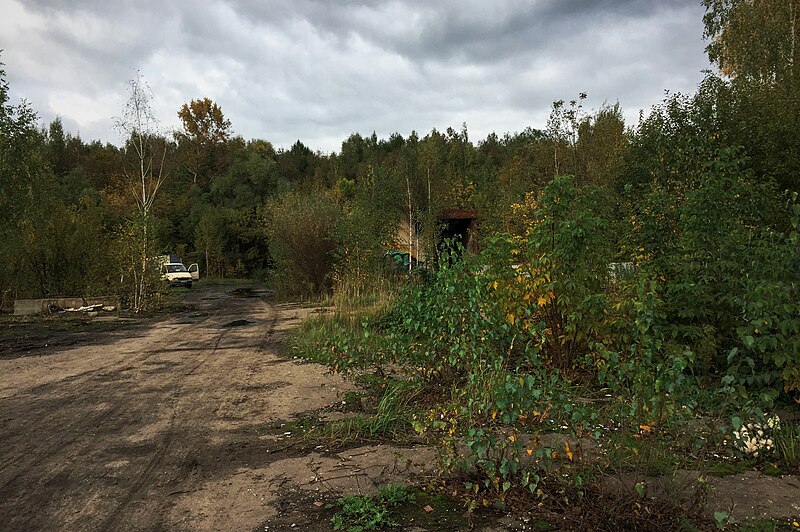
[90, 310]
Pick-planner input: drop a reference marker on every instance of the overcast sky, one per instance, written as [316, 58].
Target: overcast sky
[319, 70]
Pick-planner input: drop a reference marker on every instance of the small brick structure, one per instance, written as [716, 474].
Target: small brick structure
[24, 307]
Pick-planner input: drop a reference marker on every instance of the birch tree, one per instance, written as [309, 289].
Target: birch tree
[144, 138]
[754, 39]
[146, 154]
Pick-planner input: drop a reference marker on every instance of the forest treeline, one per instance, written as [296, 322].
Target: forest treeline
[234, 205]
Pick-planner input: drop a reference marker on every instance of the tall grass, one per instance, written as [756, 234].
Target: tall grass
[362, 294]
[392, 420]
[349, 339]
[787, 445]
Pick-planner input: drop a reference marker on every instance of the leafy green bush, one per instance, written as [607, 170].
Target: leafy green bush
[302, 241]
[507, 331]
[533, 336]
[522, 304]
[568, 250]
[448, 328]
[728, 276]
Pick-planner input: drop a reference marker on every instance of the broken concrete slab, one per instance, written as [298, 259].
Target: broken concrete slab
[24, 307]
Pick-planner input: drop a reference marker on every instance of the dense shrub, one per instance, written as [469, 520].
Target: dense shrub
[302, 241]
[727, 275]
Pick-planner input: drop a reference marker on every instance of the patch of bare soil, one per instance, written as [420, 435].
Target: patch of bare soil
[22, 336]
[753, 495]
[169, 425]
[744, 496]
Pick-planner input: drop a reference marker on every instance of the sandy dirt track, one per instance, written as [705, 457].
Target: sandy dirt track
[176, 425]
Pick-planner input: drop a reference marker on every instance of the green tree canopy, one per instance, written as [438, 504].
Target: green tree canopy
[754, 39]
[203, 122]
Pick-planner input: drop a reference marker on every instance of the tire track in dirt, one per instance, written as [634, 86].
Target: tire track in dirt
[147, 475]
[222, 365]
[165, 429]
[57, 441]
[185, 425]
[56, 420]
[54, 437]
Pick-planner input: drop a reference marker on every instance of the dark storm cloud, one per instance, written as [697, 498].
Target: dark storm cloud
[318, 70]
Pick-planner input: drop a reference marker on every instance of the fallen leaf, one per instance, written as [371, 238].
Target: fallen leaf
[428, 508]
[318, 504]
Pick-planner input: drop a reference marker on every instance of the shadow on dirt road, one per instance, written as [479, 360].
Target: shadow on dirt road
[165, 426]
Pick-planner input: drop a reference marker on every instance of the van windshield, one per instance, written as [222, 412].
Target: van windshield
[174, 268]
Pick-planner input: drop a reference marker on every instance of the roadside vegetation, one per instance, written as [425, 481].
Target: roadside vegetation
[556, 379]
[633, 311]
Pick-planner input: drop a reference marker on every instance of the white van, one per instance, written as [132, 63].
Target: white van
[176, 274]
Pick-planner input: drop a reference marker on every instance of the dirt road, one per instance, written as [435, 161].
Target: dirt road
[173, 425]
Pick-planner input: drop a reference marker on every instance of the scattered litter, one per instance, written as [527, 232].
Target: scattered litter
[87, 308]
[91, 310]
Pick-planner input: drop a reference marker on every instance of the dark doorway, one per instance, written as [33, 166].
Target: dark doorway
[458, 227]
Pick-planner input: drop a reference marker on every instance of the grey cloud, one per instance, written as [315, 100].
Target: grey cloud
[458, 29]
[316, 70]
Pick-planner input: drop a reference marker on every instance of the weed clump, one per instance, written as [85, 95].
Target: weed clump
[359, 513]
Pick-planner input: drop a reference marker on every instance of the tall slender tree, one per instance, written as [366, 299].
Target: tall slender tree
[146, 174]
